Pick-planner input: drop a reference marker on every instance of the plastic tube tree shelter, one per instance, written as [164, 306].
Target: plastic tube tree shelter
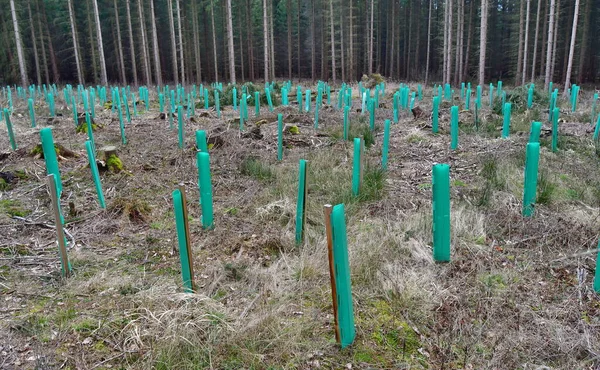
[441, 212]
[301, 203]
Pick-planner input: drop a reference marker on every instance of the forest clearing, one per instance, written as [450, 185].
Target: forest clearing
[380, 200]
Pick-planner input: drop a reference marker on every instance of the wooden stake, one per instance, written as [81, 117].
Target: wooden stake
[327, 210]
[62, 249]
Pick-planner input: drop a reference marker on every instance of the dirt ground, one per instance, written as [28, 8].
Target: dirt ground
[517, 293]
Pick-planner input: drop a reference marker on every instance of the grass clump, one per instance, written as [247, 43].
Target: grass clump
[253, 167]
[134, 209]
[493, 181]
[546, 189]
[13, 208]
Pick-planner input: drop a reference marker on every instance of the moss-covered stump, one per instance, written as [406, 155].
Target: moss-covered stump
[112, 162]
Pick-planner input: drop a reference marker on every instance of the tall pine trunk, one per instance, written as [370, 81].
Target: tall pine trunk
[230, 43]
[145, 47]
[266, 40]
[22, 69]
[36, 57]
[525, 47]
[120, 45]
[332, 29]
[195, 32]
[157, 67]
[103, 75]
[550, 43]
[584, 41]
[289, 37]
[131, 45]
[393, 46]
[469, 38]
[520, 53]
[42, 36]
[483, 40]
[181, 44]
[555, 42]
[174, 63]
[371, 39]
[449, 57]
[572, 47]
[351, 36]
[271, 41]
[75, 42]
[428, 44]
[535, 44]
[214, 37]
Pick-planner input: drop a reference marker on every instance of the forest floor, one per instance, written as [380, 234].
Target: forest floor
[517, 293]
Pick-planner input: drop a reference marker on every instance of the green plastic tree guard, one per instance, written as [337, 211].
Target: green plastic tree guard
[386, 143]
[530, 96]
[95, 175]
[372, 114]
[121, 125]
[534, 136]
[308, 101]
[346, 122]
[204, 182]
[218, 103]
[597, 129]
[206, 102]
[234, 96]
[11, 135]
[50, 157]
[343, 283]
[257, 103]
[454, 127]
[597, 274]
[441, 212]
[356, 170]
[279, 136]
[555, 115]
[186, 271]
[201, 141]
[435, 115]
[180, 125]
[478, 102]
[491, 95]
[90, 131]
[532, 157]
[31, 112]
[301, 203]
[299, 98]
[269, 100]
[506, 123]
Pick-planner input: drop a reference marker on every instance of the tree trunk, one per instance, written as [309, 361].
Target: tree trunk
[371, 40]
[22, 69]
[131, 46]
[584, 41]
[298, 45]
[93, 42]
[459, 72]
[272, 42]
[520, 53]
[535, 43]
[75, 42]
[525, 48]
[174, 63]
[289, 37]
[544, 39]
[469, 38]
[313, 41]
[196, 31]
[352, 73]
[410, 27]
[393, 39]
[230, 43]
[251, 44]
[332, 29]
[181, 44]
[241, 31]
[214, 36]
[342, 45]
[428, 43]
[120, 45]
[157, 68]
[145, 50]
[550, 43]
[445, 52]
[41, 33]
[449, 63]
[572, 47]
[483, 39]
[103, 75]
[554, 42]
[36, 57]
[266, 41]
[459, 21]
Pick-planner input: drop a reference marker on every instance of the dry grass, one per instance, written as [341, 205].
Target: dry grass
[517, 293]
